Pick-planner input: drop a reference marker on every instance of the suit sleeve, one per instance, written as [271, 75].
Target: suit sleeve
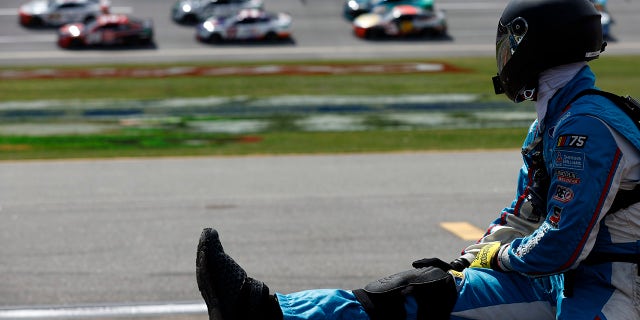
[582, 162]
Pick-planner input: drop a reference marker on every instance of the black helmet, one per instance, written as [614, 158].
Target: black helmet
[535, 35]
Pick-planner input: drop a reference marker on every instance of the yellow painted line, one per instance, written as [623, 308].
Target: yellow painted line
[463, 230]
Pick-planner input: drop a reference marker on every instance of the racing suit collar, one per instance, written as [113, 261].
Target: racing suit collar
[557, 86]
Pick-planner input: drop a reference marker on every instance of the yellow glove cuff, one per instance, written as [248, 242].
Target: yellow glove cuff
[486, 256]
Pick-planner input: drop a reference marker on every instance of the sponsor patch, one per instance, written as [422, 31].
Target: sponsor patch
[563, 194]
[567, 176]
[554, 219]
[526, 247]
[569, 160]
[571, 141]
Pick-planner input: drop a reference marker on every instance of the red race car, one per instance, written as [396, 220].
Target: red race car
[107, 30]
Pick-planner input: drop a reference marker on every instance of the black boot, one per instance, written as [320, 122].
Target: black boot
[225, 287]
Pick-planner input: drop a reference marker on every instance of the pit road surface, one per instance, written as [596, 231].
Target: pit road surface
[112, 232]
[122, 232]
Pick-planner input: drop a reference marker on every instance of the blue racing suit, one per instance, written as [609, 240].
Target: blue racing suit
[591, 152]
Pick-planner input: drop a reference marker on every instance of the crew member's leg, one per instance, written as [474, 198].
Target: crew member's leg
[231, 295]
[225, 287]
[321, 304]
[425, 293]
[482, 294]
[492, 295]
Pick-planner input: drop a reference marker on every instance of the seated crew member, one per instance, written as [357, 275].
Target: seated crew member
[567, 246]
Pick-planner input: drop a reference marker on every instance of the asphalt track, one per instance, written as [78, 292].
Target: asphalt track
[115, 237]
[108, 234]
[320, 33]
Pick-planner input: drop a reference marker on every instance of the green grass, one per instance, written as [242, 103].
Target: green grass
[154, 143]
[615, 73]
[474, 81]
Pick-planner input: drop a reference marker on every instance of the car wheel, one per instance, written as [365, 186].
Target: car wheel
[271, 36]
[34, 22]
[75, 44]
[374, 34]
[215, 38]
[147, 41]
[442, 32]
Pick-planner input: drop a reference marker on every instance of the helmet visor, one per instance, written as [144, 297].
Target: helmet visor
[507, 40]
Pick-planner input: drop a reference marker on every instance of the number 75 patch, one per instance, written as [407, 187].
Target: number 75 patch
[572, 141]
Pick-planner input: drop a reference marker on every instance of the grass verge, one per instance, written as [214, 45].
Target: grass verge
[615, 73]
[154, 143]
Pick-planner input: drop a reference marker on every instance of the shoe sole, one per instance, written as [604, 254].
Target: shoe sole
[203, 277]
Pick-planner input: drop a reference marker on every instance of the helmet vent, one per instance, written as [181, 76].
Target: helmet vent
[518, 29]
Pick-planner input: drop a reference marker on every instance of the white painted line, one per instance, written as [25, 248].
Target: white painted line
[210, 52]
[483, 49]
[470, 49]
[103, 311]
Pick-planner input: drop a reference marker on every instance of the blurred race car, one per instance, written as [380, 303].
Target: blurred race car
[247, 24]
[354, 8]
[38, 13]
[400, 21]
[193, 11]
[108, 30]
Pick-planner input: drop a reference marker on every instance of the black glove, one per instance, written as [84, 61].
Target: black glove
[460, 264]
[432, 262]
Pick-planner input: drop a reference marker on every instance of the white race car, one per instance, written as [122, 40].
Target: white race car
[193, 11]
[38, 13]
[401, 21]
[247, 24]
